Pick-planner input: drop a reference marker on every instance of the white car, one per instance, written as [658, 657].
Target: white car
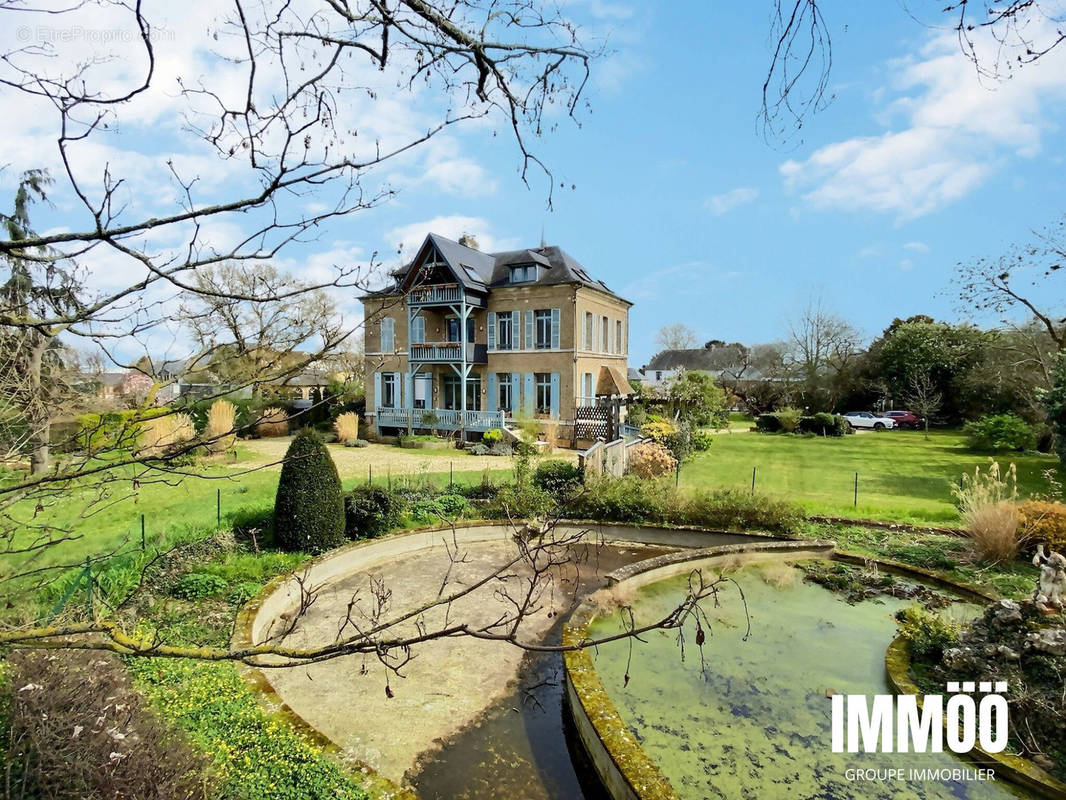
[864, 419]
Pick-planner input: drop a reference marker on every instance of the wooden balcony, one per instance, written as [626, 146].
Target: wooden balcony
[440, 419]
[442, 294]
[448, 353]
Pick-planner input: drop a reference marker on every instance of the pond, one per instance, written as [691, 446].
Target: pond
[753, 718]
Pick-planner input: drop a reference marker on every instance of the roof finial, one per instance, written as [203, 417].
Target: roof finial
[542, 243]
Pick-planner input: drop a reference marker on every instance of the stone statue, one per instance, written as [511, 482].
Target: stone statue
[1050, 593]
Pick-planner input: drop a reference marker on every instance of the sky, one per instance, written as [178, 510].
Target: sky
[666, 187]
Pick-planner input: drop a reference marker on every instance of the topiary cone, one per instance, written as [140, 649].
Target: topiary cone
[309, 507]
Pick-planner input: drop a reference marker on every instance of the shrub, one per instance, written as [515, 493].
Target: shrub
[198, 585]
[271, 422]
[76, 728]
[701, 441]
[357, 443]
[732, 509]
[1000, 433]
[219, 430]
[242, 592]
[651, 460]
[347, 427]
[625, 499]
[659, 431]
[928, 634]
[438, 509]
[492, 436]
[370, 511]
[1043, 522]
[557, 477]
[786, 420]
[309, 506]
[165, 434]
[824, 424]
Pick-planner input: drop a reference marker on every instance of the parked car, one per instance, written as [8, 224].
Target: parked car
[864, 419]
[906, 419]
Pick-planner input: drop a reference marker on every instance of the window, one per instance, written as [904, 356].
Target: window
[504, 331]
[388, 338]
[589, 393]
[505, 399]
[452, 398]
[605, 334]
[388, 390]
[619, 340]
[418, 330]
[542, 320]
[543, 396]
[523, 273]
[453, 329]
[588, 330]
[423, 388]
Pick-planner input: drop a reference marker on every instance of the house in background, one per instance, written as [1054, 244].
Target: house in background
[467, 341]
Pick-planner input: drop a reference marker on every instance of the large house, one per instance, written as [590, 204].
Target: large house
[468, 341]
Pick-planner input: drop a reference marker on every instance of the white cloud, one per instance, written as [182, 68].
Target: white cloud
[410, 236]
[956, 130]
[916, 247]
[722, 203]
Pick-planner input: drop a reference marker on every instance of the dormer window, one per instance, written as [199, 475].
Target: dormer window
[524, 273]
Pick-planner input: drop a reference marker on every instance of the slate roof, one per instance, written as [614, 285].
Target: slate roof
[480, 271]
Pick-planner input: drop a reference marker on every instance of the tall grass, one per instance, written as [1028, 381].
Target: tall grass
[272, 422]
[219, 432]
[347, 427]
[987, 502]
[162, 434]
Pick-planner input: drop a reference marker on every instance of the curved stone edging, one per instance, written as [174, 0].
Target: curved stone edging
[277, 595]
[627, 772]
[1015, 769]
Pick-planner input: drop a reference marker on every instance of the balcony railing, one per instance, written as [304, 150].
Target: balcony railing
[435, 295]
[441, 419]
[448, 352]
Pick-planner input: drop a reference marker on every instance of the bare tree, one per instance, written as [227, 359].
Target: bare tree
[924, 399]
[676, 336]
[288, 140]
[998, 36]
[821, 344]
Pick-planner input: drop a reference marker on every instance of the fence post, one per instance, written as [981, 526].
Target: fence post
[677, 474]
[855, 502]
[451, 474]
[142, 533]
[753, 480]
[89, 586]
[388, 477]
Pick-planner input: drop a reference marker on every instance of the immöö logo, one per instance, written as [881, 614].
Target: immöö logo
[895, 723]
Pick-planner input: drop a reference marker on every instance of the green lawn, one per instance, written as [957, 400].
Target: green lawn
[903, 477]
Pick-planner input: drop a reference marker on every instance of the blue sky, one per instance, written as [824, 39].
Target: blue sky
[679, 203]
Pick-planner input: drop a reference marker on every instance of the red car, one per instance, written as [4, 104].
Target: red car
[905, 419]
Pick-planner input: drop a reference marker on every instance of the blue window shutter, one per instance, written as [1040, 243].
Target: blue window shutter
[397, 378]
[418, 330]
[555, 329]
[515, 341]
[388, 339]
[555, 393]
[492, 330]
[529, 396]
[408, 389]
[529, 330]
[493, 393]
[516, 394]
[377, 390]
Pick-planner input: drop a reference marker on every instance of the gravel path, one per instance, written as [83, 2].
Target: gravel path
[355, 461]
